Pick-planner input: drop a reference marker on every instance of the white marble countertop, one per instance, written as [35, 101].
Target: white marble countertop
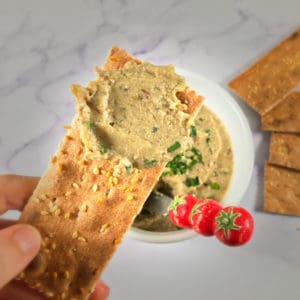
[47, 45]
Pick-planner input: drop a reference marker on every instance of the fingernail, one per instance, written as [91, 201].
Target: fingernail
[27, 238]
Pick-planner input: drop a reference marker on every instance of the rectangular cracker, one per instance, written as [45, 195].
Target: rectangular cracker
[285, 116]
[285, 150]
[281, 190]
[83, 210]
[265, 83]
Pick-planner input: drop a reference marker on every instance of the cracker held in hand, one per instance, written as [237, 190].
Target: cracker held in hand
[264, 84]
[104, 169]
[285, 116]
[281, 190]
[285, 150]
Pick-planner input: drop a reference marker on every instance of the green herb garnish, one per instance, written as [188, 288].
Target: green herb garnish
[89, 125]
[189, 181]
[208, 139]
[201, 119]
[128, 169]
[193, 131]
[174, 147]
[150, 162]
[214, 185]
[181, 163]
[177, 165]
[197, 155]
[104, 149]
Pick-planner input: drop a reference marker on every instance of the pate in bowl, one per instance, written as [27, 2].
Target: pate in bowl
[219, 166]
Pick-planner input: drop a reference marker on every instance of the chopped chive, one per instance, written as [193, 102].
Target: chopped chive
[189, 181]
[214, 186]
[150, 162]
[104, 149]
[197, 154]
[208, 139]
[193, 131]
[201, 119]
[177, 165]
[174, 147]
[128, 169]
[181, 163]
[89, 125]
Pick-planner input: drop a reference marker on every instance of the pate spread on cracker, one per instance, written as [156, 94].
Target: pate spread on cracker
[99, 178]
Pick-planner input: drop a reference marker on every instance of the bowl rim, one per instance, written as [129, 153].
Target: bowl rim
[161, 237]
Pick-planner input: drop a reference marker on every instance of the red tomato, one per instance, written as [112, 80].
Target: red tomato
[233, 226]
[202, 216]
[180, 208]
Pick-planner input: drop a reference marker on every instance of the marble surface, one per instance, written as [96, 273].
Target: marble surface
[47, 45]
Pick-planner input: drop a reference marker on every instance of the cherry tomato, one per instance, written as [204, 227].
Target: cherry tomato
[202, 216]
[180, 208]
[233, 226]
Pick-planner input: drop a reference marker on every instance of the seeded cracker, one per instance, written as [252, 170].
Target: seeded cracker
[264, 84]
[284, 117]
[285, 150]
[83, 209]
[281, 190]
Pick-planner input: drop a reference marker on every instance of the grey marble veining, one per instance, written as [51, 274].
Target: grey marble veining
[47, 45]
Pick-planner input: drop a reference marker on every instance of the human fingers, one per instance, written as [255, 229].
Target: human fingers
[19, 291]
[101, 291]
[6, 223]
[18, 246]
[15, 191]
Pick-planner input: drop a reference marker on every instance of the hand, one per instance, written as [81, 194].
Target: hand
[19, 244]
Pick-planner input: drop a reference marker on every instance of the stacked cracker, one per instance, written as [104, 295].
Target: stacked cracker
[268, 87]
[83, 210]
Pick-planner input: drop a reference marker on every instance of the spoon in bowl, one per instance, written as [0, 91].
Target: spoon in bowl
[157, 203]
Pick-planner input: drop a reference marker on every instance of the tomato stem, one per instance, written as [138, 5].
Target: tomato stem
[225, 220]
[173, 205]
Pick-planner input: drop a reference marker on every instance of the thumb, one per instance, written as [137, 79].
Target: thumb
[18, 246]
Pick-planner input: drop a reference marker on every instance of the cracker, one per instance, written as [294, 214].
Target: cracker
[264, 84]
[281, 190]
[82, 211]
[285, 116]
[285, 150]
